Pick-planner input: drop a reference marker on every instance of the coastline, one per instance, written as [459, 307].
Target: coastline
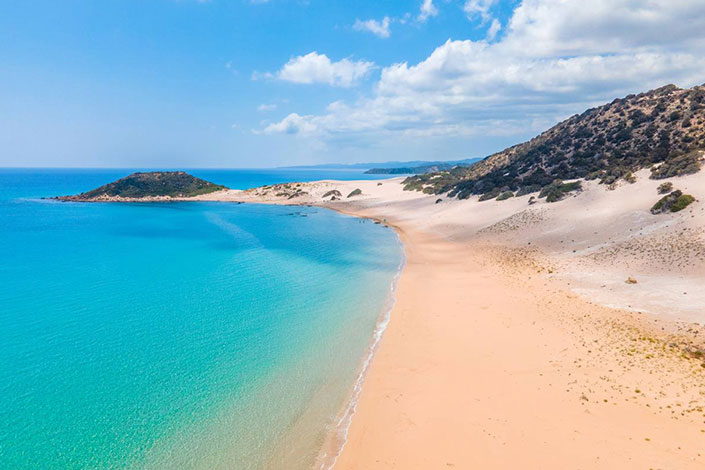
[498, 355]
[491, 360]
[335, 442]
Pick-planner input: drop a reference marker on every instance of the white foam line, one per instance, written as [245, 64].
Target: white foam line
[343, 425]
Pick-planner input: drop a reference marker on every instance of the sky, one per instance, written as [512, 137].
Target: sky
[264, 83]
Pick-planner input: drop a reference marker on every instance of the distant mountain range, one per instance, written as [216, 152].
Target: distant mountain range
[392, 166]
[662, 129]
[423, 168]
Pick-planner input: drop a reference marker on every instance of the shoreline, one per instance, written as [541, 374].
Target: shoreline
[358, 450]
[338, 437]
[490, 360]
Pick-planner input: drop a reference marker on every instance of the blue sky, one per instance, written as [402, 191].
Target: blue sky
[255, 83]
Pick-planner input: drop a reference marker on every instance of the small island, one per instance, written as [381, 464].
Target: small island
[148, 186]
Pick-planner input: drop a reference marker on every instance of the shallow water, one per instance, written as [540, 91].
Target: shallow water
[179, 335]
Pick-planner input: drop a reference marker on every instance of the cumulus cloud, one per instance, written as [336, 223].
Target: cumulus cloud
[428, 9]
[318, 68]
[554, 59]
[292, 124]
[378, 28]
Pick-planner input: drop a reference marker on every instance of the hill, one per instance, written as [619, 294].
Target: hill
[663, 129]
[156, 184]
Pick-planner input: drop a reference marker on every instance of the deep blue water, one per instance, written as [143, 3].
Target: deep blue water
[187, 335]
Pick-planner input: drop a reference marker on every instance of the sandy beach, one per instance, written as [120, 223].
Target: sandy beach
[515, 340]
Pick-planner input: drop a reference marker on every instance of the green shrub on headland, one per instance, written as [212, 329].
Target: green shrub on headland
[355, 192]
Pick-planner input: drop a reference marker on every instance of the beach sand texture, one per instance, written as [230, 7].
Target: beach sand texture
[515, 341]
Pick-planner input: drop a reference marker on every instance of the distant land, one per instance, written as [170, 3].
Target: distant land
[662, 129]
[148, 185]
[425, 168]
[380, 165]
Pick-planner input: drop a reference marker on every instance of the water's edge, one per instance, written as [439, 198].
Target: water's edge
[337, 439]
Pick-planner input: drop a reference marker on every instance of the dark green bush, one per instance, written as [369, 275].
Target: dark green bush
[505, 195]
[664, 204]
[673, 202]
[677, 165]
[557, 190]
[532, 188]
[665, 188]
[490, 195]
[682, 202]
[355, 192]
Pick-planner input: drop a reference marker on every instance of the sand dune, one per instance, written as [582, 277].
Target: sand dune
[515, 341]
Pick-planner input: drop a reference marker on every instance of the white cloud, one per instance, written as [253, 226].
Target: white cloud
[494, 28]
[264, 107]
[292, 124]
[555, 58]
[428, 9]
[378, 28]
[481, 8]
[555, 27]
[318, 68]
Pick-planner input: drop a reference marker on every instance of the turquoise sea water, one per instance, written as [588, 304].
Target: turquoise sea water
[179, 335]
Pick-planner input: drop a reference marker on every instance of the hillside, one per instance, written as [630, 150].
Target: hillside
[663, 129]
[157, 184]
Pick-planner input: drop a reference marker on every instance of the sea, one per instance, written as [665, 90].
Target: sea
[184, 335]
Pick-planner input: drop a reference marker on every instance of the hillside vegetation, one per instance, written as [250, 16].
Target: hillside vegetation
[150, 184]
[663, 129]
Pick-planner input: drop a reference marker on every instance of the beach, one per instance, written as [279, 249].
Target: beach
[499, 354]
[485, 365]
